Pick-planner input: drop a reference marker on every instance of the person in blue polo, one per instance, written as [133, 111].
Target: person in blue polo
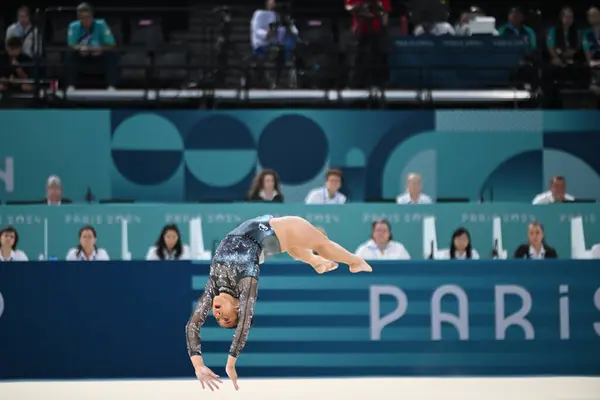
[591, 47]
[516, 28]
[92, 42]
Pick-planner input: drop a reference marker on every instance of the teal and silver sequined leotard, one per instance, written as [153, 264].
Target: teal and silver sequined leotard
[235, 271]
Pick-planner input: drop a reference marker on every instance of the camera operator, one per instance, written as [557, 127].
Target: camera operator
[273, 27]
[369, 21]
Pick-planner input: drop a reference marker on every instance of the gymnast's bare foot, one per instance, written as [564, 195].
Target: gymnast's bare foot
[322, 265]
[360, 267]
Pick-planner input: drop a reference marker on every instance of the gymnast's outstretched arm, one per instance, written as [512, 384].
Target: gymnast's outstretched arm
[197, 319]
[248, 291]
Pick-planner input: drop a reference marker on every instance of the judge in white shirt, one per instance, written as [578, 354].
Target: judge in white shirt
[169, 246]
[381, 246]
[413, 193]
[87, 250]
[460, 247]
[9, 238]
[556, 194]
[330, 194]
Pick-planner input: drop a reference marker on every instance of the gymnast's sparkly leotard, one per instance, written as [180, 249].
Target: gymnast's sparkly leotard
[234, 270]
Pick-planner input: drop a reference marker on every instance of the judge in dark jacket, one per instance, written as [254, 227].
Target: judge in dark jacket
[536, 248]
[266, 188]
[54, 193]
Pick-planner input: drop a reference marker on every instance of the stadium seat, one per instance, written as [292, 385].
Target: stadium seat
[171, 75]
[134, 66]
[147, 32]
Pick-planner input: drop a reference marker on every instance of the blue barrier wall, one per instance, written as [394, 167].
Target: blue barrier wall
[118, 320]
[191, 155]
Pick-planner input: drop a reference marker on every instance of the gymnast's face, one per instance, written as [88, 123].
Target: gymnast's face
[225, 309]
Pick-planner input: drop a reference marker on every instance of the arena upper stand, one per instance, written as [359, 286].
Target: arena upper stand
[200, 55]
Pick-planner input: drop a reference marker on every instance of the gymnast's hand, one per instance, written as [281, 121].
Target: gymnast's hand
[231, 372]
[205, 375]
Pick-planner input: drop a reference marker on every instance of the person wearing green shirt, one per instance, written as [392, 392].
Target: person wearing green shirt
[562, 40]
[92, 41]
[516, 28]
[591, 47]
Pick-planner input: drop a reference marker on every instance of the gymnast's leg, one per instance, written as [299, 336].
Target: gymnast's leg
[298, 232]
[320, 264]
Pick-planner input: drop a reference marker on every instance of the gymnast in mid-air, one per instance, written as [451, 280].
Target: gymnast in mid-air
[232, 285]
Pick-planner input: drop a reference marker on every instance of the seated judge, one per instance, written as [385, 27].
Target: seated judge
[87, 249]
[54, 192]
[266, 187]
[413, 193]
[169, 246]
[9, 239]
[381, 246]
[556, 194]
[536, 246]
[460, 247]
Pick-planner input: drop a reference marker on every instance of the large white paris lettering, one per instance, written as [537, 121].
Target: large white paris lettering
[378, 322]
[597, 304]
[460, 321]
[518, 318]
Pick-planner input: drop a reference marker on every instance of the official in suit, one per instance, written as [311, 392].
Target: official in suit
[536, 248]
[54, 192]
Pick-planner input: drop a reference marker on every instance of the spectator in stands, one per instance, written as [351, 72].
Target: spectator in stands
[87, 250]
[562, 44]
[515, 27]
[562, 40]
[15, 67]
[54, 192]
[330, 194]
[369, 21]
[413, 193]
[267, 29]
[460, 247]
[536, 248]
[24, 30]
[93, 43]
[556, 194]
[591, 47]
[169, 246]
[9, 238]
[381, 246]
[266, 187]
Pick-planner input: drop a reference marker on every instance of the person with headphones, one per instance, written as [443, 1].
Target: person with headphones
[92, 40]
[381, 246]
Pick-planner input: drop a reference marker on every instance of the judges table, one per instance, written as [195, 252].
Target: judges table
[454, 62]
[125, 320]
[51, 231]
